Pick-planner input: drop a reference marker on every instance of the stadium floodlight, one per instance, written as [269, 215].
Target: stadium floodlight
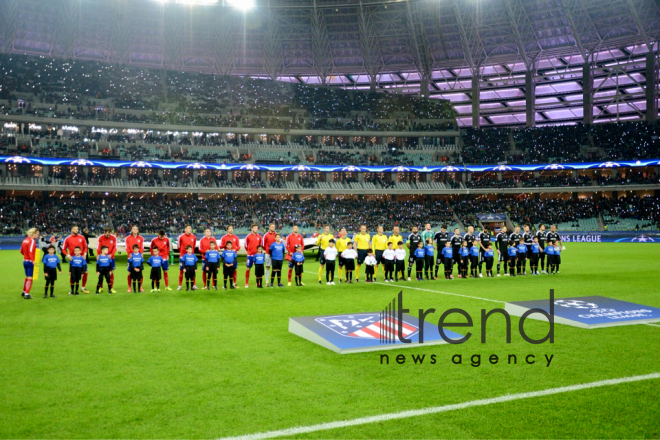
[242, 5]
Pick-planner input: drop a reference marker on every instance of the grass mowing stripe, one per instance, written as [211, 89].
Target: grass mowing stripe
[440, 409]
[432, 291]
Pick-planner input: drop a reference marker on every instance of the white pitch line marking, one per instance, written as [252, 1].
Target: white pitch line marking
[440, 409]
[437, 291]
[429, 290]
[652, 325]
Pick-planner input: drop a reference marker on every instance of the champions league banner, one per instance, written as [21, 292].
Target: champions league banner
[609, 237]
[323, 168]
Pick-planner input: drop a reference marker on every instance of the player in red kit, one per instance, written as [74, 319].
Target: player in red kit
[110, 241]
[236, 244]
[266, 241]
[162, 243]
[70, 243]
[135, 239]
[204, 247]
[292, 241]
[186, 239]
[252, 240]
[29, 250]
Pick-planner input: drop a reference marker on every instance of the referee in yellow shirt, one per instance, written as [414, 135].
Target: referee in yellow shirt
[322, 241]
[342, 244]
[396, 237]
[379, 244]
[363, 244]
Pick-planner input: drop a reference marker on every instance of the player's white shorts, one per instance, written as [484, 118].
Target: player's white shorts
[269, 262]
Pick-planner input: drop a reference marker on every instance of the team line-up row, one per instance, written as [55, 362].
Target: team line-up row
[267, 254]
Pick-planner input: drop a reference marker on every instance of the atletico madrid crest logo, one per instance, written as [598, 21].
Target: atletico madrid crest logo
[366, 326]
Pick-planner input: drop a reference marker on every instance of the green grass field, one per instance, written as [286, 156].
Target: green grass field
[222, 363]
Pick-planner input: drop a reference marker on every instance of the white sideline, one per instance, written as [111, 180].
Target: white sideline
[652, 325]
[439, 409]
[428, 290]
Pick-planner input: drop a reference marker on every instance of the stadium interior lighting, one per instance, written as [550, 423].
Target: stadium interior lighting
[243, 5]
[190, 2]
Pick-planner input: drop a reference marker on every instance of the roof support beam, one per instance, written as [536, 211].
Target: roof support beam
[568, 6]
[174, 30]
[68, 18]
[8, 14]
[121, 39]
[651, 89]
[371, 54]
[224, 29]
[520, 25]
[473, 47]
[321, 51]
[587, 94]
[476, 99]
[530, 98]
[420, 48]
[273, 54]
[632, 5]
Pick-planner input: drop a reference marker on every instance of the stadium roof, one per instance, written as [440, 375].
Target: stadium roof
[391, 44]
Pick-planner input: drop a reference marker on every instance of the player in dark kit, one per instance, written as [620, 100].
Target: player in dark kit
[413, 243]
[542, 234]
[515, 237]
[456, 242]
[528, 239]
[469, 235]
[502, 242]
[441, 239]
[484, 242]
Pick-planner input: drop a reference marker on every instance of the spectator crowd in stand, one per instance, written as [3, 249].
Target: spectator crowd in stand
[152, 213]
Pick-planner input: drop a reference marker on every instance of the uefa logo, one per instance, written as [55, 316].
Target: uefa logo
[575, 304]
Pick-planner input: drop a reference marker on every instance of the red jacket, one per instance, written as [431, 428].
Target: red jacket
[236, 244]
[72, 241]
[292, 241]
[28, 249]
[268, 239]
[111, 243]
[163, 246]
[186, 240]
[252, 241]
[205, 245]
[132, 241]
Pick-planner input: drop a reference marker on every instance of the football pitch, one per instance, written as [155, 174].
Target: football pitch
[213, 364]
